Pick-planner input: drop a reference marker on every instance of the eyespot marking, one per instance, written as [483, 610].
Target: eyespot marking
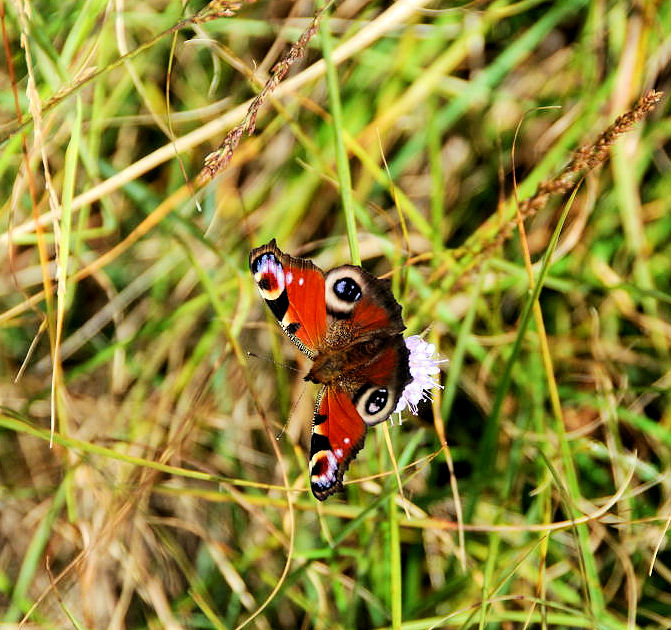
[323, 472]
[344, 289]
[347, 290]
[374, 403]
[377, 401]
[267, 262]
[268, 282]
[269, 276]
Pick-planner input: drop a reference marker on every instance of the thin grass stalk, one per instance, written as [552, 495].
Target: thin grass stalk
[541, 585]
[18, 426]
[437, 181]
[206, 609]
[359, 518]
[395, 583]
[401, 217]
[493, 559]
[394, 463]
[64, 226]
[487, 579]
[565, 617]
[84, 26]
[383, 178]
[537, 312]
[459, 352]
[449, 394]
[487, 450]
[416, 523]
[57, 594]
[342, 162]
[549, 374]
[19, 603]
[41, 240]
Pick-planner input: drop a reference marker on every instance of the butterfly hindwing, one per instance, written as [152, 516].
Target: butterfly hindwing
[376, 387]
[293, 289]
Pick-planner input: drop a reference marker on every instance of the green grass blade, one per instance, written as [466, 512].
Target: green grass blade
[342, 163]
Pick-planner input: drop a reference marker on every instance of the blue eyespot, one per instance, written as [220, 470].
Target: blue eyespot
[347, 290]
[264, 261]
[377, 401]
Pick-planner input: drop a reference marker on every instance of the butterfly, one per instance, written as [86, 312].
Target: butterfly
[349, 324]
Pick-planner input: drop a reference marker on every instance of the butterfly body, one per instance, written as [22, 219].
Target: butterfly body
[348, 322]
[340, 366]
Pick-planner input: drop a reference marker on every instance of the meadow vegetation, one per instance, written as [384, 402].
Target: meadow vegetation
[154, 422]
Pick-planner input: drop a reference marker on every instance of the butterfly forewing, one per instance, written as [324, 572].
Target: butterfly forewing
[293, 289]
[338, 434]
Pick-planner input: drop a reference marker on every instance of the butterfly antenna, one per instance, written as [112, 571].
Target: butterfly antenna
[280, 435]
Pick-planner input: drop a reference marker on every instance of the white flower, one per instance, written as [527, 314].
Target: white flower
[423, 368]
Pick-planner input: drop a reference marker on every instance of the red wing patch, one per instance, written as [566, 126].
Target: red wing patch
[368, 316]
[391, 361]
[338, 434]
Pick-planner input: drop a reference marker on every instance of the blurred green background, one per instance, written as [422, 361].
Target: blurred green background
[535, 490]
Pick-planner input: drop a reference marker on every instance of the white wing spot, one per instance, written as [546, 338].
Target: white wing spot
[301, 281]
[288, 277]
[338, 452]
[346, 440]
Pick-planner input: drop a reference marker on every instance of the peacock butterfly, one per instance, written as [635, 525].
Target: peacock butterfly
[349, 324]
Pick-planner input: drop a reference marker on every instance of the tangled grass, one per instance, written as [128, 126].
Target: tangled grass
[505, 163]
